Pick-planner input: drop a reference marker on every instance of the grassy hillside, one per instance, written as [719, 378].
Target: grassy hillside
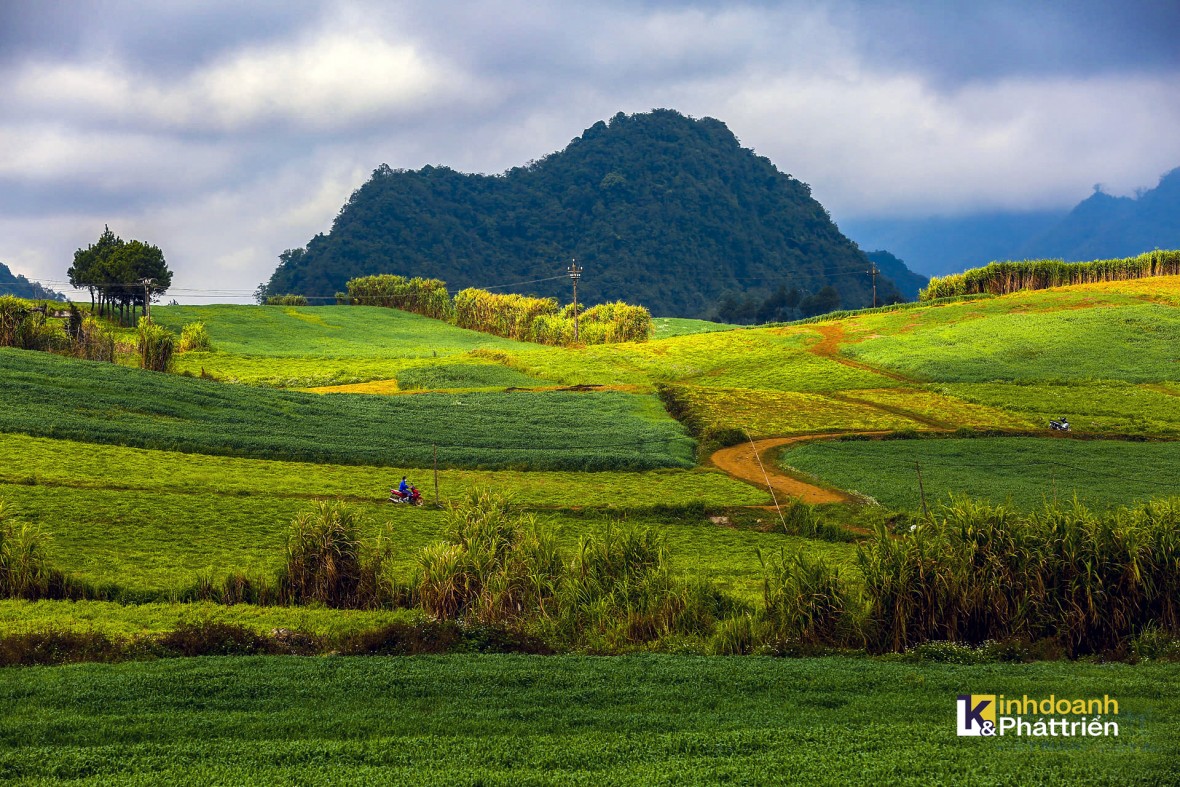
[1023, 472]
[297, 347]
[59, 397]
[151, 522]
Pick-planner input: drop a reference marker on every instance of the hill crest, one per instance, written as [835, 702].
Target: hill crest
[660, 209]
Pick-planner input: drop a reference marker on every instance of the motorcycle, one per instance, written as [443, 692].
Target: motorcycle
[413, 497]
[1059, 426]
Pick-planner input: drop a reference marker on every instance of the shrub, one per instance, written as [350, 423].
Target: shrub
[194, 338]
[24, 572]
[427, 297]
[286, 300]
[95, 341]
[155, 346]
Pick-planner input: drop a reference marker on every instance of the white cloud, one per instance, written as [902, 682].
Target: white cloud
[330, 82]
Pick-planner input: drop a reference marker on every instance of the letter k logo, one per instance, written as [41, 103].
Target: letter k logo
[974, 716]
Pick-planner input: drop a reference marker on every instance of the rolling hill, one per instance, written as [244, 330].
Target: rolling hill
[659, 209]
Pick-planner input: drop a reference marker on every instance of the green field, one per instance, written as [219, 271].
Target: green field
[103, 403]
[1018, 470]
[307, 346]
[149, 484]
[565, 720]
[1046, 336]
[150, 522]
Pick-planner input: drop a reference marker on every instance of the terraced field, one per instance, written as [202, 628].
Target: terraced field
[153, 486]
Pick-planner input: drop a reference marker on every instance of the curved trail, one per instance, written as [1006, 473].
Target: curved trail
[829, 347]
[741, 462]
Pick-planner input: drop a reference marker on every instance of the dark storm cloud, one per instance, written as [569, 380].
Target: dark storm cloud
[957, 42]
[167, 37]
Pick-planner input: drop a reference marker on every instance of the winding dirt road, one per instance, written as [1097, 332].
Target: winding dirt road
[742, 462]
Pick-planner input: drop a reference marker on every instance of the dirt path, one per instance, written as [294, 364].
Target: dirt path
[741, 462]
[829, 347]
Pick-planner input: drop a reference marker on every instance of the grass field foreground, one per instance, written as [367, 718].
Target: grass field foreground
[565, 720]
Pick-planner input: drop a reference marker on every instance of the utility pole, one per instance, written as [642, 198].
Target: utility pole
[575, 273]
[147, 298]
[873, 271]
[436, 475]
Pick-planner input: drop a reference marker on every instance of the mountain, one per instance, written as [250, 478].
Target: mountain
[1103, 226]
[658, 208]
[12, 284]
[938, 245]
[1100, 227]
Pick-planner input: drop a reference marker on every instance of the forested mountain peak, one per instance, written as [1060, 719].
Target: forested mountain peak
[659, 208]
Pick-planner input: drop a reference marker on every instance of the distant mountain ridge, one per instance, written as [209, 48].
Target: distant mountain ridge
[1100, 227]
[658, 208]
[13, 284]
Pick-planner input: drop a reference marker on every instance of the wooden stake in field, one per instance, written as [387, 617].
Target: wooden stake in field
[436, 475]
[922, 491]
[778, 509]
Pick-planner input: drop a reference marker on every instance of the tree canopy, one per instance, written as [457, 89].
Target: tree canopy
[120, 274]
[658, 208]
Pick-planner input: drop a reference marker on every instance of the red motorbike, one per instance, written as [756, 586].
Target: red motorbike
[413, 497]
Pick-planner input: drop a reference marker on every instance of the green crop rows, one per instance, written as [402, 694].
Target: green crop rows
[57, 397]
[1022, 471]
[565, 720]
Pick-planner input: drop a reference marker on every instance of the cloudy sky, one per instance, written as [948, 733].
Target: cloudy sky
[226, 132]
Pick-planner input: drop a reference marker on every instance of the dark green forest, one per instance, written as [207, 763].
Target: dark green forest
[660, 209]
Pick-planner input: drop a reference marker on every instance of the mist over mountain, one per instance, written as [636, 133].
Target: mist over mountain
[12, 284]
[1100, 227]
[658, 208]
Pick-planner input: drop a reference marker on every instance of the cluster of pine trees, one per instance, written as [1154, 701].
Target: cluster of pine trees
[120, 274]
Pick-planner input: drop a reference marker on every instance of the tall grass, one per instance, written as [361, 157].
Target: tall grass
[194, 337]
[500, 567]
[1088, 581]
[24, 325]
[328, 563]
[512, 316]
[286, 300]
[494, 566]
[427, 297]
[806, 601]
[1000, 278]
[24, 572]
[156, 345]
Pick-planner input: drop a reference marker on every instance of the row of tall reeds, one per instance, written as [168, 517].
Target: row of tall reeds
[427, 297]
[1064, 580]
[1000, 278]
[512, 316]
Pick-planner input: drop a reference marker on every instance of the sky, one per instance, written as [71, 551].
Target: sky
[226, 132]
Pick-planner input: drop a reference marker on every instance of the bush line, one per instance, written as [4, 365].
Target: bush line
[1001, 278]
